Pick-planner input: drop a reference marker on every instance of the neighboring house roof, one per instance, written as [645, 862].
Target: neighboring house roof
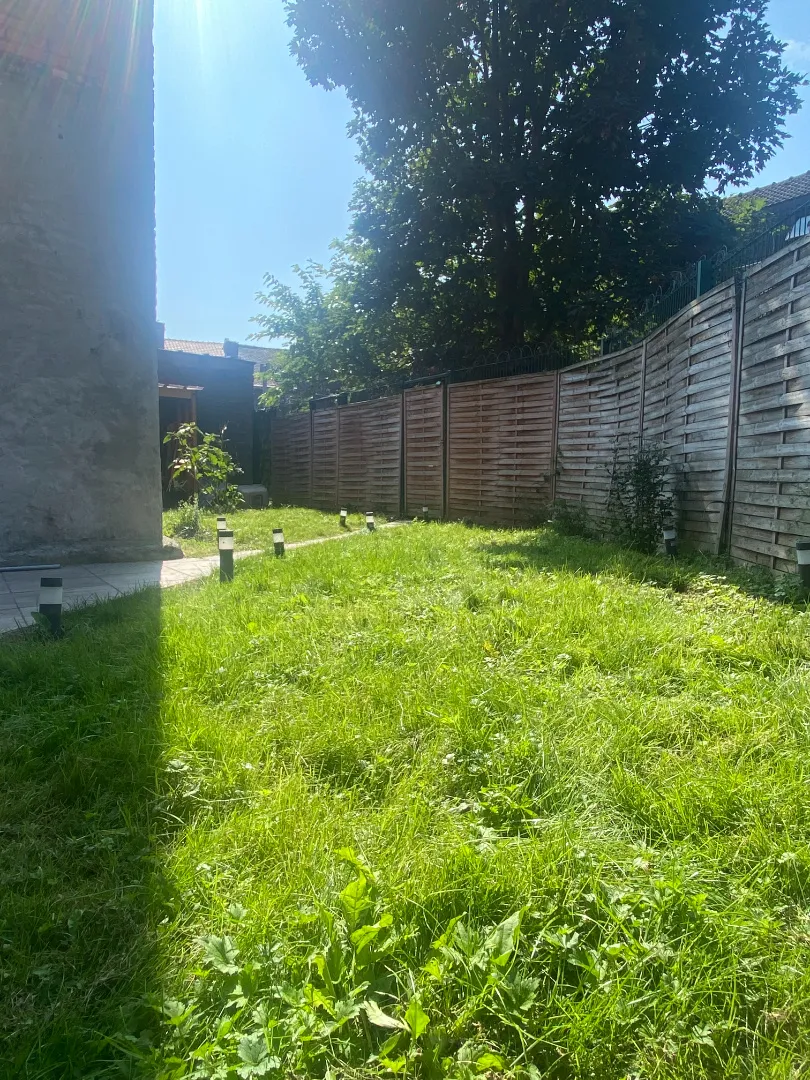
[261, 358]
[795, 187]
[252, 353]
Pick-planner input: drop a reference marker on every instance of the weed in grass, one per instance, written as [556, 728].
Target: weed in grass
[437, 802]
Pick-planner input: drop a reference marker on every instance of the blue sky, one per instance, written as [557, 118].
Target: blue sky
[254, 166]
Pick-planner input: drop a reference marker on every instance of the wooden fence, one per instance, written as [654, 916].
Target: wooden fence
[724, 387]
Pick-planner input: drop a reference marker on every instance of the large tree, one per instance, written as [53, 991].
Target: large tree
[524, 153]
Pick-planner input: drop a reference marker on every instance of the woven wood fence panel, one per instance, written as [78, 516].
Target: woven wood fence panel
[687, 381]
[424, 451]
[772, 491]
[501, 449]
[599, 418]
[290, 460]
[325, 459]
[370, 436]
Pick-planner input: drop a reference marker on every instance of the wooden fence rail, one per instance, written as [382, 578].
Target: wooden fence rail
[724, 387]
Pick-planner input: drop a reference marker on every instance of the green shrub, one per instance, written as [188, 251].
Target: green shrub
[571, 519]
[640, 503]
[185, 522]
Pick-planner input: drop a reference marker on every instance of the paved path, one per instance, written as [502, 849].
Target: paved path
[19, 591]
[95, 581]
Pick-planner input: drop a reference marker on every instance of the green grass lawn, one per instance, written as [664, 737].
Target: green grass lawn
[254, 528]
[439, 802]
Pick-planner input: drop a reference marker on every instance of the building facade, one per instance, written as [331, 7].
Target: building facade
[79, 454]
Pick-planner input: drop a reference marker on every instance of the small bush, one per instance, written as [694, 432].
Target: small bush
[224, 500]
[640, 504]
[185, 522]
[571, 519]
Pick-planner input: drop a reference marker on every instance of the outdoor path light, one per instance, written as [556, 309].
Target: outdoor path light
[425, 512]
[50, 603]
[803, 559]
[278, 541]
[344, 518]
[671, 541]
[226, 555]
[370, 521]
[222, 525]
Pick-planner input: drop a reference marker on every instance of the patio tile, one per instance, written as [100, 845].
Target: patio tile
[119, 580]
[26, 581]
[106, 570]
[27, 601]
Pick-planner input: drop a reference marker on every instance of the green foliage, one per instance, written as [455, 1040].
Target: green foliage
[640, 503]
[185, 522]
[436, 802]
[571, 519]
[202, 460]
[535, 169]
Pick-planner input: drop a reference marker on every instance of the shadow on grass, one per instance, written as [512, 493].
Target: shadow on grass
[79, 747]
[548, 550]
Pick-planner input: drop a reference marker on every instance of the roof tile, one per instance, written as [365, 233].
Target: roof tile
[795, 187]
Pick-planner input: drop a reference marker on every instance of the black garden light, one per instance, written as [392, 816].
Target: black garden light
[50, 603]
[226, 545]
[425, 512]
[344, 518]
[370, 525]
[278, 541]
[222, 525]
[671, 541]
[803, 559]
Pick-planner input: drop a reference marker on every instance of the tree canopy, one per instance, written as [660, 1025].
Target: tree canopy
[536, 166]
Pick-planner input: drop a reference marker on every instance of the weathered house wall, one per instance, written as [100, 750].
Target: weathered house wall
[79, 455]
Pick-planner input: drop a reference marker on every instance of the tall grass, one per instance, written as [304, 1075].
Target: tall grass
[254, 528]
[439, 802]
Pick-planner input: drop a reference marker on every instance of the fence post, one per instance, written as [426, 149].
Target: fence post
[555, 435]
[311, 451]
[642, 393]
[729, 481]
[446, 450]
[338, 500]
[403, 450]
[705, 277]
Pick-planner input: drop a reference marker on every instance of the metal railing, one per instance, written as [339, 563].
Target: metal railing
[708, 273]
[523, 360]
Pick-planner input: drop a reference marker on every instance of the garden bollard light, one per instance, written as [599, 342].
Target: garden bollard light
[803, 559]
[226, 546]
[370, 522]
[425, 512]
[671, 541]
[344, 518]
[278, 541]
[50, 603]
[222, 525]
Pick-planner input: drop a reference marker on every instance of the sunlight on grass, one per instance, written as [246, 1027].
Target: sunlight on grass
[438, 802]
[254, 528]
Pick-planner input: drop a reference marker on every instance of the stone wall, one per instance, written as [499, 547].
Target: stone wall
[79, 453]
